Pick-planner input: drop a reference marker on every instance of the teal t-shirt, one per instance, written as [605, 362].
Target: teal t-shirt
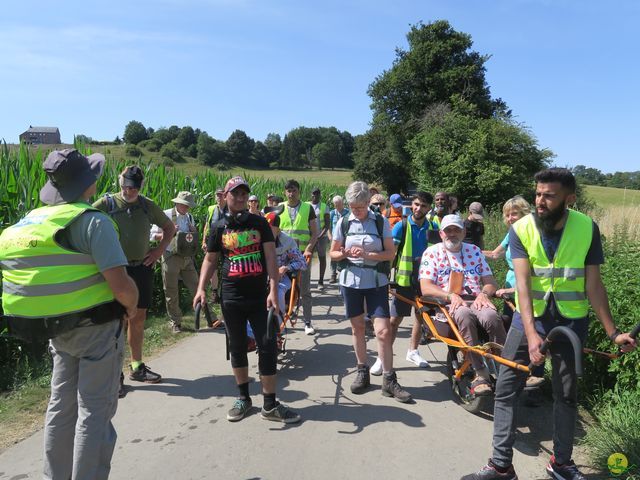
[510, 279]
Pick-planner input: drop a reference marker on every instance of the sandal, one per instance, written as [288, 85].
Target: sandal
[481, 387]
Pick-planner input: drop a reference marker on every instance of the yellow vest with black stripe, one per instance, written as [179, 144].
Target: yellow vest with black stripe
[40, 277]
[563, 276]
[299, 228]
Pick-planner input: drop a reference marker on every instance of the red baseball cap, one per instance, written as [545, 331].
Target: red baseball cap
[236, 182]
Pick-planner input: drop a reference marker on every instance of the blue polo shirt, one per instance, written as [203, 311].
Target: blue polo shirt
[419, 236]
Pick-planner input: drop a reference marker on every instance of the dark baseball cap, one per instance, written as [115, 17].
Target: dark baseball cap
[70, 173]
[236, 182]
[132, 176]
[315, 190]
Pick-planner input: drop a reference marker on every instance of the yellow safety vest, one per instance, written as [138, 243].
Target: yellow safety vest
[40, 277]
[299, 228]
[564, 275]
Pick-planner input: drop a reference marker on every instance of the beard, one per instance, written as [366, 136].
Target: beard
[452, 245]
[547, 222]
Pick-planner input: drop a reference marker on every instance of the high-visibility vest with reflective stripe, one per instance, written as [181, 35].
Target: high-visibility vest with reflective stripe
[40, 277]
[299, 228]
[563, 276]
[404, 268]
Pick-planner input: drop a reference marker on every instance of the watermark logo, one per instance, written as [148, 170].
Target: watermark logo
[617, 463]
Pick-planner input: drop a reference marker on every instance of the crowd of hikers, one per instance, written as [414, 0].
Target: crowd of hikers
[81, 275]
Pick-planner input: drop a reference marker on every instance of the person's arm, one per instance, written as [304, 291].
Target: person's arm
[489, 287]
[495, 254]
[313, 228]
[522, 270]
[386, 255]
[272, 271]
[327, 222]
[209, 266]
[124, 289]
[599, 300]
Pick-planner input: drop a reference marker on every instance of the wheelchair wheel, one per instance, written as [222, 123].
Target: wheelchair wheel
[462, 388]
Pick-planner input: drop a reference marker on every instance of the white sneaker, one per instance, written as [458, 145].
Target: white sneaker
[309, 330]
[376, 368]
[414, 357]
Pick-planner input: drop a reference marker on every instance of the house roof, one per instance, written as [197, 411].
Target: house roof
[42, 130]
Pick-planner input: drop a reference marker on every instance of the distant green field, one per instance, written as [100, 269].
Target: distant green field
[613, 197]
[190, 166]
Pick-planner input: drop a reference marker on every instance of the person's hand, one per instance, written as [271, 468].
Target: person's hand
[199, 297]
[158, 236]
[500, 292]
[357, 252]
[282, 271]
[626, 342]
[131, 312]
[482, 301]
[455, 302]
[152, 257]
[535, 342]
[307, 255]
[272, 300]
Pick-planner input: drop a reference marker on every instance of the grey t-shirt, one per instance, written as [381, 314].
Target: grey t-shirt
[362, 234]
[94, 234]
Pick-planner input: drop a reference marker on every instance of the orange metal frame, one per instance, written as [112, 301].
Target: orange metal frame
[458, 342]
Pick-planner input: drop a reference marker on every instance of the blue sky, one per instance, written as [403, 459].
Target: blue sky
[567, 68]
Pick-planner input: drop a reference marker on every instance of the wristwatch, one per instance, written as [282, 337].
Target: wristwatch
[614, 335]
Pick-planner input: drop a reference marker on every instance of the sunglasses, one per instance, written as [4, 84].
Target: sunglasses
[380, 204]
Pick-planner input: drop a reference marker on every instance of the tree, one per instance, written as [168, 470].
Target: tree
[186, 137]
[273, 142]
[134, 132]
[210, 151]
[171, 151]
[240, 146]
[260, 156]
[479, 159]
[117, 140]
[588, 175]
[166, 135]
[83, 139]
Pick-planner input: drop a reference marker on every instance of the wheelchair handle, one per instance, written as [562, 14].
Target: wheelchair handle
[197, 314]
[207, 314]
[272, 323]
[575, 343]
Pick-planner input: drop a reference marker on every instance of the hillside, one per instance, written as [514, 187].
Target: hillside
[607, 197]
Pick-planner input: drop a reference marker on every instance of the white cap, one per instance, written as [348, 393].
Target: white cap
[450, 220]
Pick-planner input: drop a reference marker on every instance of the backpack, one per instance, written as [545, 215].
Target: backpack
[380, 267]
[186, 243]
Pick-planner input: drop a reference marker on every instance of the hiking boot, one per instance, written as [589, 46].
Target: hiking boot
[281, 413]
[533, 382]
[309, 330]
[239, 410]
[489, 472]
[321, 284]
[568, 471]
[376, 368]
[121, 390]
[333, 279]
[176, 328]
[414, 357]
[144, 374]
[391, 388]
[362, 380]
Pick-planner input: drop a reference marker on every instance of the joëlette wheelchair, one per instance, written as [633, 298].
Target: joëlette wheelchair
[458, 363]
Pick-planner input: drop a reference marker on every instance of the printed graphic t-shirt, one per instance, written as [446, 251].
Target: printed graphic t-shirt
[244, 269]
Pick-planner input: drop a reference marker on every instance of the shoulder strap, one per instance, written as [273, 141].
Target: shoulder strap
[380, 227]
[344, 226]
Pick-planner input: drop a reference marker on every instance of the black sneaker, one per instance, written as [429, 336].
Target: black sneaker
[143, 374]
[121, 391]
[568, 471]
[489, 472]
[362, 380]
[281, 413]
[239, 409]
[391, 388]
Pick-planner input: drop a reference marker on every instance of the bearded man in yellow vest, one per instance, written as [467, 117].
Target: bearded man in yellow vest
[64, 278]
[556, 255]
[298, 220]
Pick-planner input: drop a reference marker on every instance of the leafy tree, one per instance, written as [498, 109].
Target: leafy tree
[588, 175]
[133, 151]
[480, 159]
[171, 151]
[297, 146]
[134, 132]
[240, 147]
[379, 158]
[261, 156]
[117, 140]
[186, 137]
[210, 151]
[166, 135]
[85, 139]
[273, 142]
[151, 144]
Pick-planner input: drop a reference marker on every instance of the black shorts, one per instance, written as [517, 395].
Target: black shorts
[143, 278]
[400, 308]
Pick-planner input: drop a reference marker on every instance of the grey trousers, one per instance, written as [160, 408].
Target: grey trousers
[174, 268]
[510, 385]
[79, 437]
[305, 294]
[467, 318]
